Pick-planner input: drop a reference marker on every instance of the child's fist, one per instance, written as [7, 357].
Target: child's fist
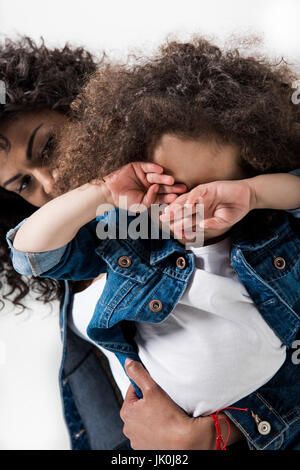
[224, 202]
[141, 183]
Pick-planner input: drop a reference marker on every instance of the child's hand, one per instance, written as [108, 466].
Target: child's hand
[141, 183]
[225, 203]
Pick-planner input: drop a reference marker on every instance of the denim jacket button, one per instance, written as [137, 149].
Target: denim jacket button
[279, 263]
[180, 262]
[155, 305]
[264, 428]
[124, 261]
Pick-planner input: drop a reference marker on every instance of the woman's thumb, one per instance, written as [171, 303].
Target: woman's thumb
[137, 372]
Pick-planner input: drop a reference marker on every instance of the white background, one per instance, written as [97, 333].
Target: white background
[30, 412]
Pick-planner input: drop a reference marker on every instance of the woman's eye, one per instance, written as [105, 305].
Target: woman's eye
[25, 182]
[47, 149]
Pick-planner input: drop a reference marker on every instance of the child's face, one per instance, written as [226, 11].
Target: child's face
[194, 162]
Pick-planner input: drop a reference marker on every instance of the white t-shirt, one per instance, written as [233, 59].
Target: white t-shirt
[214, 348]
[83, 308]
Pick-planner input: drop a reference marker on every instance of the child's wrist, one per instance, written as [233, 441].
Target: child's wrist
[97, 200]
[107, 193]
[101, 192]
[254, 197]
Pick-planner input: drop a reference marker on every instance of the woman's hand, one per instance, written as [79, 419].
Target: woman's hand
[225, 203]
[156, 422]
[141, 183]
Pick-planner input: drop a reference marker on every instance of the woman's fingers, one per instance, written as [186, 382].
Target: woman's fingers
[131, 396]
[137, 372]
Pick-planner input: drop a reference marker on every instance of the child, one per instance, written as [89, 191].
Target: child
[215, 318]
[207, 350]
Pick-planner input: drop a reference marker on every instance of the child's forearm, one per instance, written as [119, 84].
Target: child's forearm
[275, 191]
[57, 222]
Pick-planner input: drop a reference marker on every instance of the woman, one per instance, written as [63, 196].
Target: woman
[40, 85]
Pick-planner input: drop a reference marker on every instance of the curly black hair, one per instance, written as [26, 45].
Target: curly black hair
[190, 89]
[36, 78]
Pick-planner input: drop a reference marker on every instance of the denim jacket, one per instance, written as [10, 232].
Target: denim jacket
[89, 396]
[145, 282]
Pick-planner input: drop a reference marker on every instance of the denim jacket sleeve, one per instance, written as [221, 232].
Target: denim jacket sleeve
[76, 260]
[295, 212]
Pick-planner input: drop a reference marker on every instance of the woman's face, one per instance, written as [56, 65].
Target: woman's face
[25, 145]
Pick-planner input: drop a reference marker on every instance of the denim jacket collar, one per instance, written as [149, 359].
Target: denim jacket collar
[152, 250]
[162, 249]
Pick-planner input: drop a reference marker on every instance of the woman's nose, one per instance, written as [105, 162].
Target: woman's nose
[45, 178]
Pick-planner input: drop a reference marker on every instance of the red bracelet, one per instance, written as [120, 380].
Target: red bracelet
[220, 444]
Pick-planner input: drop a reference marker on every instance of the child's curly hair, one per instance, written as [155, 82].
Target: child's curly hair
[189, 89]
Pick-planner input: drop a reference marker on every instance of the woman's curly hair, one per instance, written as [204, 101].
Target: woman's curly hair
[36, 78]
[192, 89]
